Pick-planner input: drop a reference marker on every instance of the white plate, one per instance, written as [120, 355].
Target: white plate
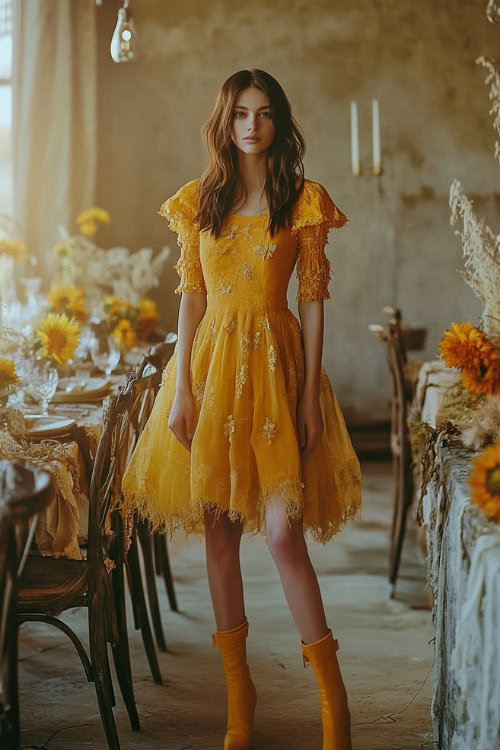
[94, 387]
[38, 425]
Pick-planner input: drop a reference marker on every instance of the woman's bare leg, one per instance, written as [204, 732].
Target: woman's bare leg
[222, 544]
[300, 583]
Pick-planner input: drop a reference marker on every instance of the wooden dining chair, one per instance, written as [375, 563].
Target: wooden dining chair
[118, 438]
[157, 358]
[25, 491]
[49, 586]
[402, 391]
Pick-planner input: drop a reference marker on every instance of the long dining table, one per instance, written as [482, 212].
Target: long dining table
[62, 527]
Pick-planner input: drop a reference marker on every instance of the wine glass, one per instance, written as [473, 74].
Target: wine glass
[42, 383]
[104, 352]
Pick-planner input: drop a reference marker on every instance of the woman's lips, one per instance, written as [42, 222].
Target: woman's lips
[252, 140]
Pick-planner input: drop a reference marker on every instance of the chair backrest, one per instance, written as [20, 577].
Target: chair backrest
[25, 490]
[124, 418]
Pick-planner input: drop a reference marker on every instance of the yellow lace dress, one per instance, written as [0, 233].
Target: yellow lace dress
[247, 375]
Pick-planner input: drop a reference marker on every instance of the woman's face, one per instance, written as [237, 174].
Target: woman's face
[252, 117]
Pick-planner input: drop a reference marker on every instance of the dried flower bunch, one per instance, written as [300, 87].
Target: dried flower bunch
[80, 263]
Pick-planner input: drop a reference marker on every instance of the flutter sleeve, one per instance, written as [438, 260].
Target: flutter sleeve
[179, 211]
[314, 216]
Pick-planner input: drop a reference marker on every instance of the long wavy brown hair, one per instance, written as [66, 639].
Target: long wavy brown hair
[220, 184]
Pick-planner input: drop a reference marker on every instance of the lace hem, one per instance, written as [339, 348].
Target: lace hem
[288, 495]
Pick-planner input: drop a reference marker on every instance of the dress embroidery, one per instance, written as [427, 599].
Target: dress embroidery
[229, 232]
[246, 270]
[273, 357]
[269, 430]
[225, 287]
[229, 426]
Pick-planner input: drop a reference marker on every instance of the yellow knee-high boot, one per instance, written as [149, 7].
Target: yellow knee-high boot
[241, 692]
[335, 715]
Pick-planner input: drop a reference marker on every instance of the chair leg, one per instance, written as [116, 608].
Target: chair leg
[100, 666]
[120, 646]
[137, 594]
[154, 607]
[403, 501]
[163, 563]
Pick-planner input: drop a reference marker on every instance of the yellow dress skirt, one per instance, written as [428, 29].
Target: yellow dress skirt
[247, 377]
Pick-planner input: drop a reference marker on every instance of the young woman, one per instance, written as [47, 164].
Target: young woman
[246, 434]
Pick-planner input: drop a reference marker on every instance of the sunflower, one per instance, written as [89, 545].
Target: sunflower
[464, 345]
[485, 481]
[148, 316]
[59, 336]
[115, 306]
[125, 335]
[69, 299]
[8, 375]
[487, 378]
[88, 219]
[15, 248]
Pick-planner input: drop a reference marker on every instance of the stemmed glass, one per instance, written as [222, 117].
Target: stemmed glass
[42, 383]
[104, 352]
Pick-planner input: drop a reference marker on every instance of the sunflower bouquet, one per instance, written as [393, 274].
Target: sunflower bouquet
[130, 323]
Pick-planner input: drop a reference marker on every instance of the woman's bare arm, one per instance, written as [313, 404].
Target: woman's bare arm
[309, 417]
[191, 311]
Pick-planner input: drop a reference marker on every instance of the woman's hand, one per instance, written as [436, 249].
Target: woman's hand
[309, 422]
[181, 417]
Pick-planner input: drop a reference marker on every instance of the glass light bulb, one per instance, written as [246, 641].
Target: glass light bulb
[125, 40]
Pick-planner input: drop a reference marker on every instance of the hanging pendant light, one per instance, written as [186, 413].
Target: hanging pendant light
[125, 41]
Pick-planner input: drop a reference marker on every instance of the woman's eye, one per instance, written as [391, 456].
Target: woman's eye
[237, 113]
[266, 114]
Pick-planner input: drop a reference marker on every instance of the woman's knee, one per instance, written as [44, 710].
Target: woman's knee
[222, 535]
[285, 538]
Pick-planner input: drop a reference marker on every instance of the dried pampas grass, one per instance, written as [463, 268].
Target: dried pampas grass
[484, 425]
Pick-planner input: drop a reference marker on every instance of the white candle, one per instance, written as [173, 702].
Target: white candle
[354, 139]
[376, 136]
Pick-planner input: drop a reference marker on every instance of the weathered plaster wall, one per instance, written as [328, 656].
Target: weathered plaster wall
[418, 59]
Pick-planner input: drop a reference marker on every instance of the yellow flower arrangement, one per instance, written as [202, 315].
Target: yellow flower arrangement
[15, 248]
[59, 336]
[485, 482]
[125, 335]
[148, 316]
[68, 299]
[465, 346]
[88, 219]
[8, 375]
[112, 305]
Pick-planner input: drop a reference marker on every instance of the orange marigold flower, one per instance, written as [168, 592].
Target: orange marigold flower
[464, 345]
[487, 378]
[485, 481]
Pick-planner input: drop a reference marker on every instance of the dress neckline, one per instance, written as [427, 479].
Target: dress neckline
[246, 216]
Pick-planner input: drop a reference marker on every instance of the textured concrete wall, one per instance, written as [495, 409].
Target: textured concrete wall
[416, 58]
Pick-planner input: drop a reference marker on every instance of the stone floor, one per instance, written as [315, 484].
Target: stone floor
[385, 652]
